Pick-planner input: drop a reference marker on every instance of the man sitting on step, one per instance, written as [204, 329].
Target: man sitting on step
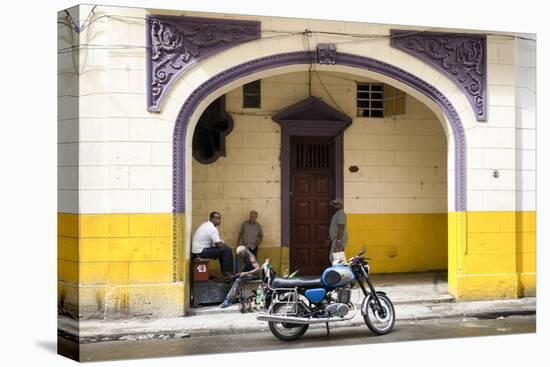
[251, 271]
[208, 245]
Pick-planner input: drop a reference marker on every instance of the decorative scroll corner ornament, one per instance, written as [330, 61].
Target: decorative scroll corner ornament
[461, 56]
[326, 53]
[176, 42]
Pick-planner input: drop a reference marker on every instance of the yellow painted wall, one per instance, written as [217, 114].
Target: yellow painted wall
[400, 242]
[526, 253]
[492, 254]
[115, 265]
[121, 265]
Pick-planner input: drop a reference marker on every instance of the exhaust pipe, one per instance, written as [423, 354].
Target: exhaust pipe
[302, 320]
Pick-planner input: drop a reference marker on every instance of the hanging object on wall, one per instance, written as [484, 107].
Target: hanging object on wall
[326, 53]
[175, 42]
[209, 136]
[461, 56]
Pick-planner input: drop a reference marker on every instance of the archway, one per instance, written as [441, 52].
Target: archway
[307, 57]
[303, 58]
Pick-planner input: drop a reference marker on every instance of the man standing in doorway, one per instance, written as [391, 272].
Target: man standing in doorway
[251, 233]
[208, 245]
[337, 231]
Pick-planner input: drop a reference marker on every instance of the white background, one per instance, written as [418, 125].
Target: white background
[28, 182]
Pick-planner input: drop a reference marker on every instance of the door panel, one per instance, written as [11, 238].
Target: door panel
[322, 210]
[320, 232]
[302, 211]
[321, 186]
[302, 234]
[304, 257]
[302, 185]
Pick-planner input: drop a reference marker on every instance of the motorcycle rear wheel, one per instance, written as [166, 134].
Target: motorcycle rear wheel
[377, 322]
[283, 330]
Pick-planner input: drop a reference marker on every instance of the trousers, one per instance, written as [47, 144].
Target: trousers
[222, 254]
[235, 293]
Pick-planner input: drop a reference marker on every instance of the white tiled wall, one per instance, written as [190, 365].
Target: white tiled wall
[122, 153]
[525, 109]
[491, 145]
[68, 110]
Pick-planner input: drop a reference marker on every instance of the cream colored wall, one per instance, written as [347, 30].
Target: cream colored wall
[401, 160]
[124, 152]
[402, 163]
[247, 178]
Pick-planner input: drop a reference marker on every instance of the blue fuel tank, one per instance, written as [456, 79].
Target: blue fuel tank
[337, 276]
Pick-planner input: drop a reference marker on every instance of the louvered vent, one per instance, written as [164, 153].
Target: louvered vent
[312, 156]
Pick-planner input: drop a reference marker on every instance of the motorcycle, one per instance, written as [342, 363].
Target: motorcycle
[296, 303]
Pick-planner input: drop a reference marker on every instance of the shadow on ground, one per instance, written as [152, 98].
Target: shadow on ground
[50, 346]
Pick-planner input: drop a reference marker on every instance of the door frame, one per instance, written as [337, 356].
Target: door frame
[308, 130]
[294, 121]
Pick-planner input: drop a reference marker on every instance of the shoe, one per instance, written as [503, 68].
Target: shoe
[242, 307]
[226, 303]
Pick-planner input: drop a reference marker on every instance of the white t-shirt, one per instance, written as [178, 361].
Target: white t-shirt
[205, 236]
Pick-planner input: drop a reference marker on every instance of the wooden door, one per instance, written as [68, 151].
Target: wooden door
[312, 178]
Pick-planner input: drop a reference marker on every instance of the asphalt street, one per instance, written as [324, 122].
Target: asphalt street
[265, 341]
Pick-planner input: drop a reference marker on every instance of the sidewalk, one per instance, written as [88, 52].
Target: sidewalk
[418, 296]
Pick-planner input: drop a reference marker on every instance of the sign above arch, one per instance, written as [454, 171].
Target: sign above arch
[174, 43]
[460, 56]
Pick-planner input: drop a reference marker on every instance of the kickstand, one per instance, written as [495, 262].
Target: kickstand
[328, 331]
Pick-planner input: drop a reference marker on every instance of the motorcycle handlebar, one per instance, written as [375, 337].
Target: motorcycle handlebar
[359, 256]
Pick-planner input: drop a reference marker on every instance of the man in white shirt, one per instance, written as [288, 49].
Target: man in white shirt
[208, 245]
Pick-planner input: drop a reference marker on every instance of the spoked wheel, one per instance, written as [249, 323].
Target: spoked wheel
[284, 330]
[380, 318]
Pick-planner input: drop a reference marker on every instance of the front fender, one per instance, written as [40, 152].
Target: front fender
[365, 302]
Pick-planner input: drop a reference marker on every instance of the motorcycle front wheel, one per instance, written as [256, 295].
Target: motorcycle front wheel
[283, 330]
[379, 319]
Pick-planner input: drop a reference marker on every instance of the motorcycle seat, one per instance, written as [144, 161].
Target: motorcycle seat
[296, 282]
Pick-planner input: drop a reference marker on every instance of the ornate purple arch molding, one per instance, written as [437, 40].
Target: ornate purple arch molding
[461, 56]
[176, 42]
[306, 57]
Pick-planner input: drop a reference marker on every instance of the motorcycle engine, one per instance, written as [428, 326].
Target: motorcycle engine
[343, 295]
[337, 309]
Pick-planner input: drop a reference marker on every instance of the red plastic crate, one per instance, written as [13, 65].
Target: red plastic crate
[200, 270]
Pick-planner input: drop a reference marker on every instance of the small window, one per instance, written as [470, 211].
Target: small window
[379, 100]
[370, 100]
[252, 94]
